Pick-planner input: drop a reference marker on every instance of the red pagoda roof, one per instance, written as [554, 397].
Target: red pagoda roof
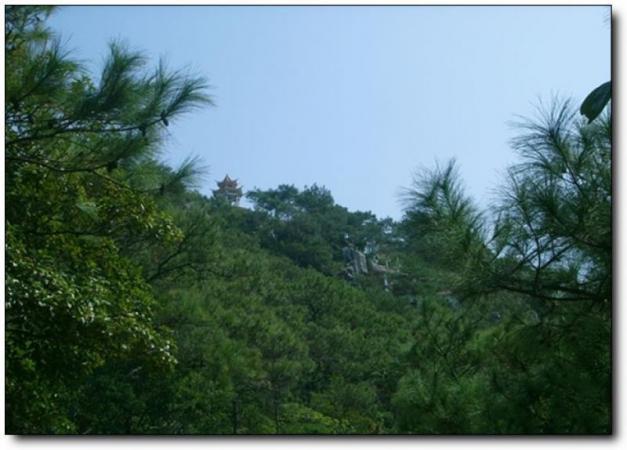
[228, 183]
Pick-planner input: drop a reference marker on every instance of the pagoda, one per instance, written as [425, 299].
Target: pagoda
[228, 190]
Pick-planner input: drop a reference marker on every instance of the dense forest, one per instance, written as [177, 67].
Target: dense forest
[137, 305]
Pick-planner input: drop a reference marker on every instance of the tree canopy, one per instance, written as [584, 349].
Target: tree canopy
[137, 305]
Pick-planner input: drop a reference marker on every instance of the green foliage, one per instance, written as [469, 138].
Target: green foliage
[555, 215]
[74, 301]
[444, 227]
[135, 305]
[594, 104]
[548, 259]
[309, 228]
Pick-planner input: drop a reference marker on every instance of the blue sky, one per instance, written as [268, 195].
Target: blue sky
[356, 98]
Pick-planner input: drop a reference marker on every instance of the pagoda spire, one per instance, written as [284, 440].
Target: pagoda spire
[229, 190]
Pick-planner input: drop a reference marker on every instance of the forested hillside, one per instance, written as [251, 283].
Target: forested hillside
[136, 305]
